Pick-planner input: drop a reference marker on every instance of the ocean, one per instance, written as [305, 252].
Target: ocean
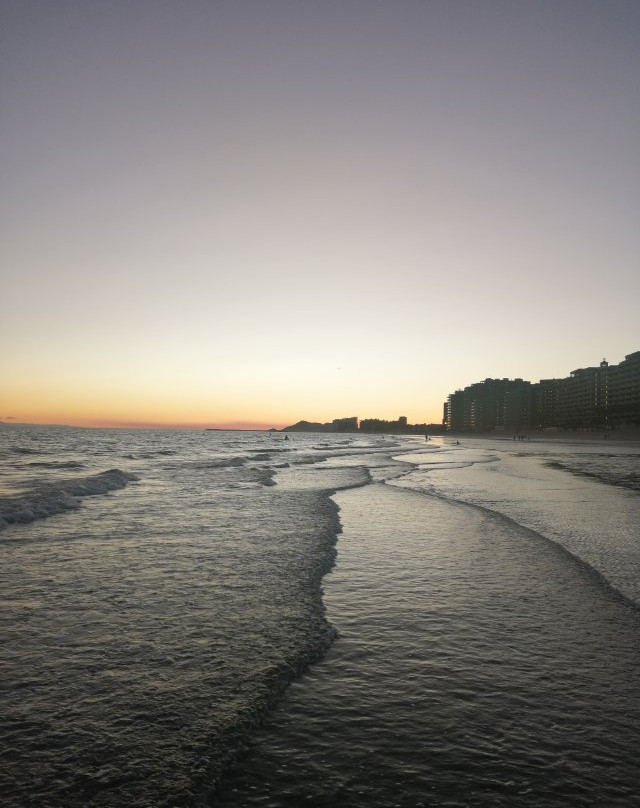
[236, 619]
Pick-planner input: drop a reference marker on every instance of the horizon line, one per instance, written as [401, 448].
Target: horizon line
[231, 426]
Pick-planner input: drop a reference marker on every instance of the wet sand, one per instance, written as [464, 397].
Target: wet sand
[631, 437]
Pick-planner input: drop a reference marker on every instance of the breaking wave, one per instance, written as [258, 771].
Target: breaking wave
[621, 471]
[52, 498]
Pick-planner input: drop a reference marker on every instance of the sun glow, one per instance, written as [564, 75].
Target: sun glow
[322, 229]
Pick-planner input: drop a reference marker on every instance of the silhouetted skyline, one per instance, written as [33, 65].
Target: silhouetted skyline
[602, 396]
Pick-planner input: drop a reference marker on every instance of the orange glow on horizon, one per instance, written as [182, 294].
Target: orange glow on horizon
[96, 399]
[128, 423]
[161, 406]
[138, 420]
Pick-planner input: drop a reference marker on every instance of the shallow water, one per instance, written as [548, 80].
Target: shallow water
[146, 630]
[592, 511]
[485, 654]
[476, 665]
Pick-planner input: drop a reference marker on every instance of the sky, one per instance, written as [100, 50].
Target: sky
[251, 212]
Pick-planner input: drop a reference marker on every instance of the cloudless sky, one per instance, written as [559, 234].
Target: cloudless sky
[237, 212]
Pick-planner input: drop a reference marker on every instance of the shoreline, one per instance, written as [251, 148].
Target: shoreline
[630, 437]
[424, 658]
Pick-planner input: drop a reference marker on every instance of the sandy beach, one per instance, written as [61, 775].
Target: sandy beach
[622, 436]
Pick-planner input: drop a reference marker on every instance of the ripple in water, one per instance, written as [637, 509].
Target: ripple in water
[476, 665]
[149, 628]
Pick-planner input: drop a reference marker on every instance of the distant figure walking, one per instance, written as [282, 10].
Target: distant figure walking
[426, 437]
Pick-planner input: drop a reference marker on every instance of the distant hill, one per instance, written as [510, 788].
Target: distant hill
[307, 426]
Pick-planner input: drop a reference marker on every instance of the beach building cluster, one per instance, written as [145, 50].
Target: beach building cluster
[401, 426]
[602, 397]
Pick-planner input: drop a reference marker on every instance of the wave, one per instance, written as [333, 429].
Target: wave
[252, 478]
[52, 498]
[304, 460]
[220, 463]
[324, 481]
[586, 564]
[216, 463]
[452, 465]
[595, 527]
[56, 464]
[150, 455]
[618, 476]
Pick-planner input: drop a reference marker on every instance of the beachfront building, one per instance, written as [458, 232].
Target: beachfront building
[454, 411]
[519, 406]
[623, 397]
[601, 397]
[582, 399]
[593, 398]
[502, 404]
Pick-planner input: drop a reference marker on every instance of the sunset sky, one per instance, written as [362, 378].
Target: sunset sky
[252, 212]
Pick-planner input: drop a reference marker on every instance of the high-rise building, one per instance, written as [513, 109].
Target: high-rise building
[491, 404]
[601, 397]
[623, 398]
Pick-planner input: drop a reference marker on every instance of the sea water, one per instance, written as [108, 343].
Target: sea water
[163, 592]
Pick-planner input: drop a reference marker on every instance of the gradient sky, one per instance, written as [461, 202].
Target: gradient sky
[256, 212]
